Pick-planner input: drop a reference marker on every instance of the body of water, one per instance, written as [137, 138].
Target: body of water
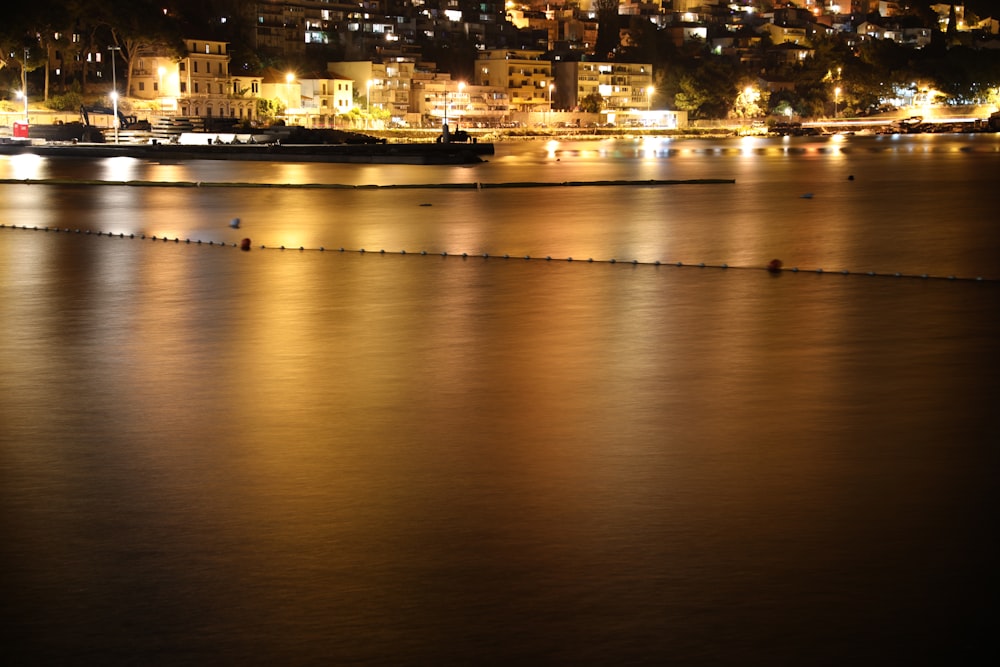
[316, 457]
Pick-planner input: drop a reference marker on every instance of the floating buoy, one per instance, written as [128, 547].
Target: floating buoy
[807, 195]
[245, 244]
[235, 223]
[851, 177]
[775, 265]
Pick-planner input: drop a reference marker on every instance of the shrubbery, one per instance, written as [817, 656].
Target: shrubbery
[71, 101]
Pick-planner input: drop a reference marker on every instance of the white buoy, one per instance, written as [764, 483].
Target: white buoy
[235, 223]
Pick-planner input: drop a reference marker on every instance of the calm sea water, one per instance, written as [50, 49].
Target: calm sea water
[308, 457]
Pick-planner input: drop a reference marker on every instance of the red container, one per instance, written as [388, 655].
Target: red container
[20, 129]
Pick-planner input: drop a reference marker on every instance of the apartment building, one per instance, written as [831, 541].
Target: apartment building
[197, 84]
[323, 97]
[524, 74]
[622, 86]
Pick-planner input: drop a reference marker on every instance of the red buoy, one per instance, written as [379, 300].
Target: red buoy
[245, 244]
[774, 265]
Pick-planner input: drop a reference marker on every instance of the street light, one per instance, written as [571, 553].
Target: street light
[836, 100]
[649, 97]
[461, 90]
[368, 101]
[24, 94]
[24, 85]
[114, 88]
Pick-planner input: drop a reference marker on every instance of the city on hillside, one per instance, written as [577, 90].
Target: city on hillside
[380, 64]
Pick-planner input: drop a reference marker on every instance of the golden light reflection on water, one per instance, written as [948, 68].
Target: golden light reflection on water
[26, 166]
[406, 445]
[118, 169]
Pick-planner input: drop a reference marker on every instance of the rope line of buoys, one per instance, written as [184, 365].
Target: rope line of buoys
[475, 185]
[775, 266]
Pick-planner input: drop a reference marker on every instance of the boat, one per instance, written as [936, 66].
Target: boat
[379, 153]
[279, 145]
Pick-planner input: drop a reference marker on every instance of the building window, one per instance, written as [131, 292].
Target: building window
[184, 87]
[195, 65]
[142, 85]
[196, 88]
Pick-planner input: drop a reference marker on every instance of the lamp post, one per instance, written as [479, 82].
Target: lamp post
[836, 100]
[114, 88]
[649, 97]
[368, 101]
[461, 91]
[24, 84]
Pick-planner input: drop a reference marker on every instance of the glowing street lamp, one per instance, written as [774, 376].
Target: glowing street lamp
[649, 97]
[836, 100]
[23, 94]
[114, 87]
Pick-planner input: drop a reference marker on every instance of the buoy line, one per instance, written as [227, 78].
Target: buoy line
[773, 267]
[475, 185]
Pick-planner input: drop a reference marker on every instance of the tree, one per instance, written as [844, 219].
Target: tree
[709, 91]
[139, 27]
[592, 103]
[607, 28]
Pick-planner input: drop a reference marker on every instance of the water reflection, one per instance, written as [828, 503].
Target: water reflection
[423, 459]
